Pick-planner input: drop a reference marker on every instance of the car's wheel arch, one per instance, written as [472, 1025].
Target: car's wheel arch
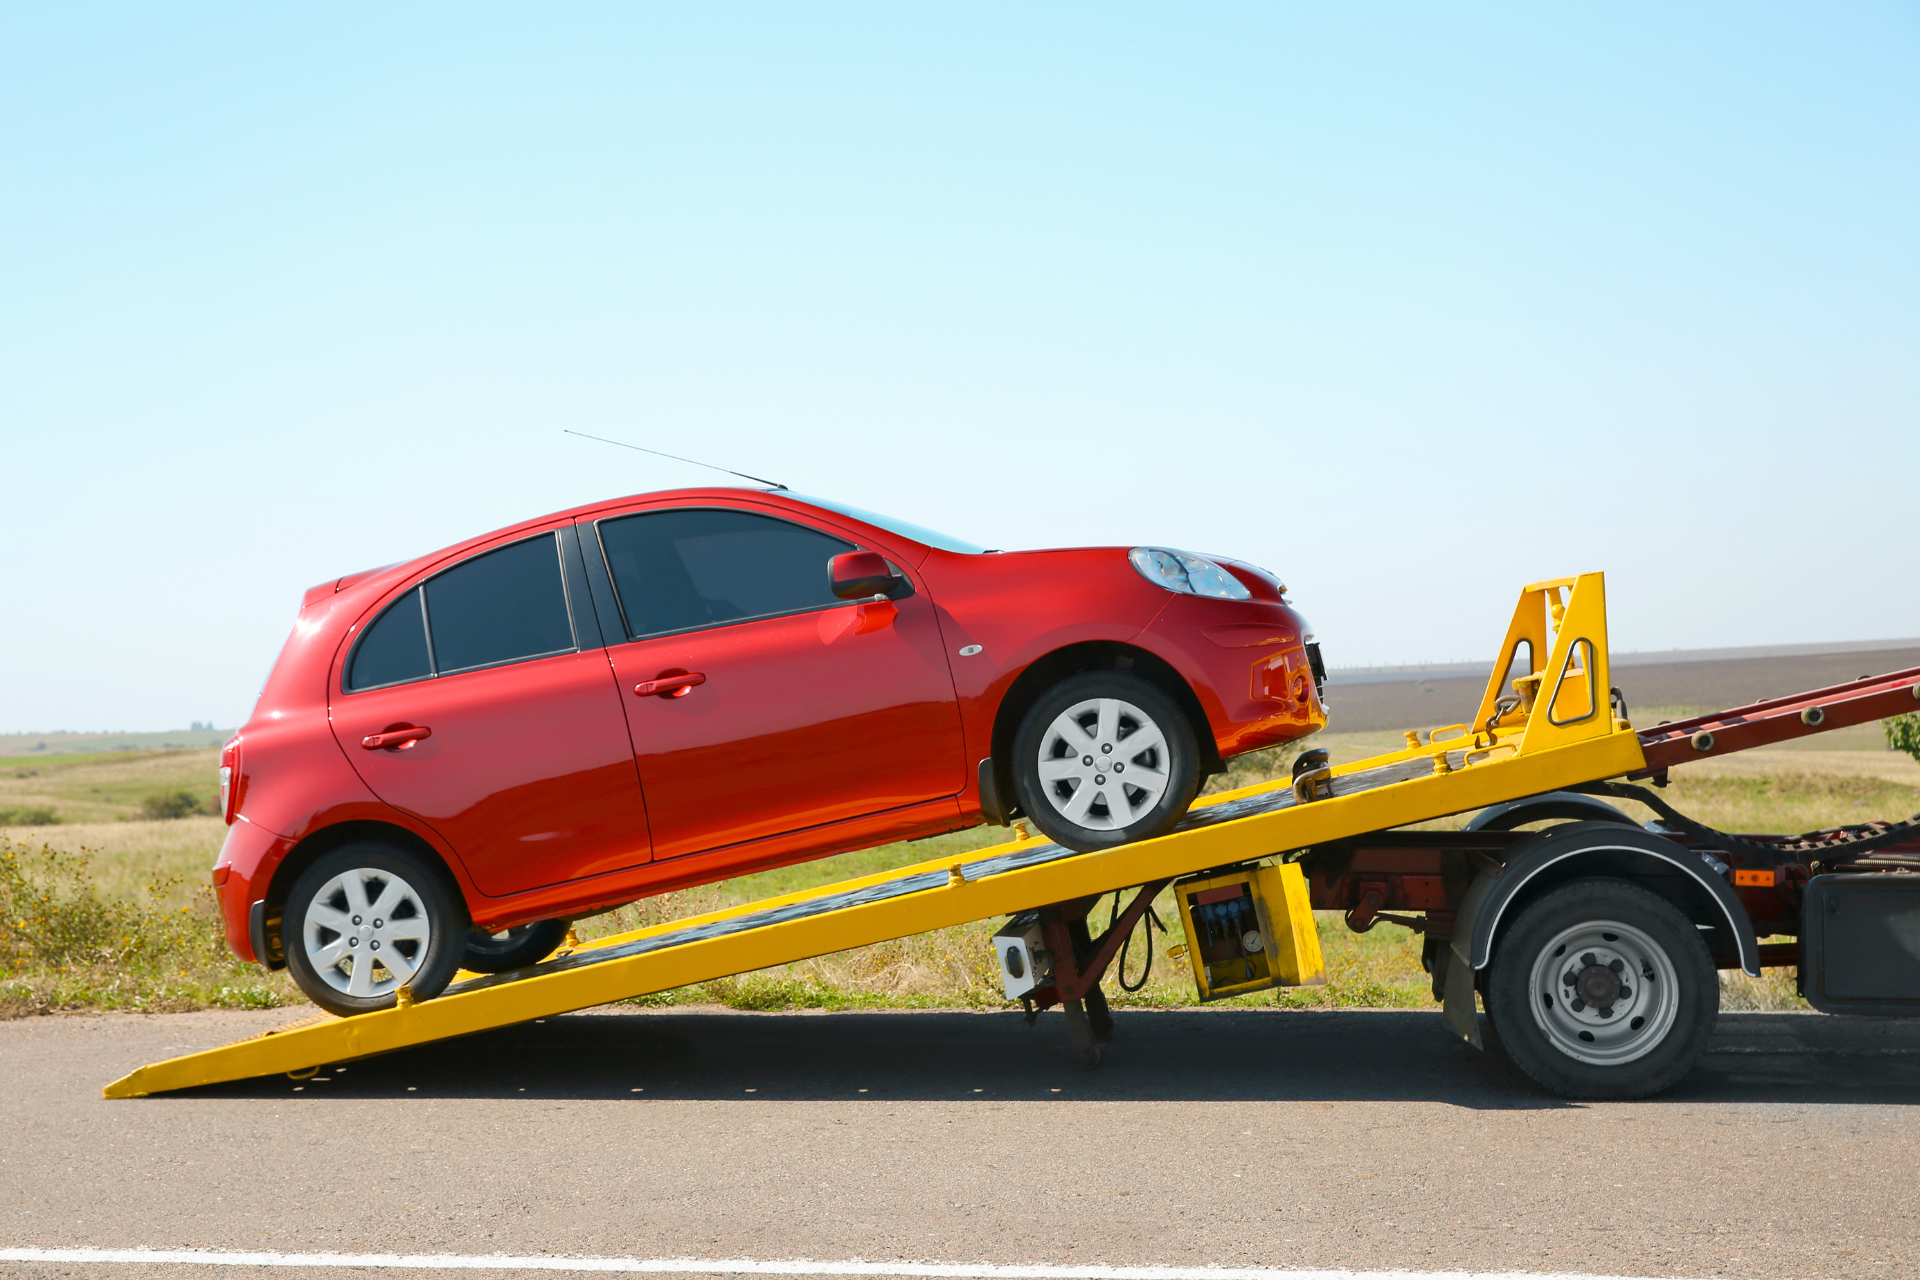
[1588, 849]
[318, 843]
[1092, 655]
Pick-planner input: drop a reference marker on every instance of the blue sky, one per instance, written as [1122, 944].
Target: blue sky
[1412, 304]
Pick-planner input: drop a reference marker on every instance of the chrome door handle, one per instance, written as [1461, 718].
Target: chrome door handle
[396, 738]
[670, 686]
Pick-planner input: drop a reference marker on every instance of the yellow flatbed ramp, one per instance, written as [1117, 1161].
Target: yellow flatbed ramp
[1417, 784]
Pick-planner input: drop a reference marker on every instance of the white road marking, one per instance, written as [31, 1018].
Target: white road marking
[749, 1266]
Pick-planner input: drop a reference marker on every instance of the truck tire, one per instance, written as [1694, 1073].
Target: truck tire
[1103, 758]
[1601, 989]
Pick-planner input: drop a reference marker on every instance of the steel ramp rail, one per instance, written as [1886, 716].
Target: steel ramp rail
[1422, 782]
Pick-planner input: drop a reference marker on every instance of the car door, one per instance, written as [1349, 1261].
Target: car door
[480, 700]
[804, 711]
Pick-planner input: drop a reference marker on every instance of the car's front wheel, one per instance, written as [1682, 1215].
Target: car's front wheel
[365, 920]
[1104, 758]
[514, 948]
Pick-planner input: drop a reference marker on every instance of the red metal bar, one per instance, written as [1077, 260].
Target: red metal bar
[1779, 720]
[1074, 978]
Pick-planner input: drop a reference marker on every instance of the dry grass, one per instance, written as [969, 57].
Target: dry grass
[161, 866]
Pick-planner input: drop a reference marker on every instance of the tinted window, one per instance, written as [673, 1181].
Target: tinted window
[394, 648]
[504, 605]
[680, 569]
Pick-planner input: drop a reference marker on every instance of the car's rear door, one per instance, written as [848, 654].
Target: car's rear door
[800, 718]
[526, 768]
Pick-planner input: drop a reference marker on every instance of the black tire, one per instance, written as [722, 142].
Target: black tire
[416, 898]
[1141, 711]
[514, 948]
[1601, 989]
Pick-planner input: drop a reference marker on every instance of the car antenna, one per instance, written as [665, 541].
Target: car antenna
[677, 458]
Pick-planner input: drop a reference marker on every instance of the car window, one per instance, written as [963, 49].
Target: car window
[499, 607]
[394, 649]
[693, 568]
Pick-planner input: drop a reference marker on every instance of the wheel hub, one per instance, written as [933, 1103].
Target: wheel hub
[365, 932]
[1103, 763]
[1604, 992]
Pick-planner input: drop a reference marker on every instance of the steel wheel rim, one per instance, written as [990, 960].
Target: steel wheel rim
[1103, 764]
[366, 932]
[1604, 1021]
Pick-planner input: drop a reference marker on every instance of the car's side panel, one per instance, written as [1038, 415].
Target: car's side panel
[800, 721]
[1246, 662]
[1000, 613]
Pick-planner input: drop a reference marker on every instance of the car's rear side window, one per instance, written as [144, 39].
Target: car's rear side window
[507, 605]
[394, 648]
[676, 570]
[503, 606]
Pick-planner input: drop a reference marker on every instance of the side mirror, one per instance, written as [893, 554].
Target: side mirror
[856, 575]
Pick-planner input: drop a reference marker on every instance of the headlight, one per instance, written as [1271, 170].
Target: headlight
[1188, 574]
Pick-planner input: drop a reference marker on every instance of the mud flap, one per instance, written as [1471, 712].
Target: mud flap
[1457, 1007]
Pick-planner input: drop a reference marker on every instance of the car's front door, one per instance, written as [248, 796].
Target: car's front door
[803, 713]
[524, 765]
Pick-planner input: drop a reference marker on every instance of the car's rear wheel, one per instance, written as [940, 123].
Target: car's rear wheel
[514, 948]
[1104, 758]
[365, 920]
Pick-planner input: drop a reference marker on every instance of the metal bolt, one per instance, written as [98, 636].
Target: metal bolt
[379, 923]
[1106, 748]
[356, 919]
[353, 942]
[375, 944]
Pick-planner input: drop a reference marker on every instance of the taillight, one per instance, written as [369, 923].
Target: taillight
[229, 780]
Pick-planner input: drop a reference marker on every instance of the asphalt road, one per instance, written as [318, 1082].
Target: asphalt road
[1362, 1140]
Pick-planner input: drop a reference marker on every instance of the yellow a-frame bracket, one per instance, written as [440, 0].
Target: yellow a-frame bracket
[1551, 685]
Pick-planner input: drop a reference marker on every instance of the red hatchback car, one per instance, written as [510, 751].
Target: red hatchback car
[456, 756]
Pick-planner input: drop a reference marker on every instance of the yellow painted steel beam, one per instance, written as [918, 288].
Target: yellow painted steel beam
[1472, 780]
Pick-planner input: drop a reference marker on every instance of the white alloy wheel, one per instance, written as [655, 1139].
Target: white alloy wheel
[366, 932]
[1103, 763]
[1605, 993]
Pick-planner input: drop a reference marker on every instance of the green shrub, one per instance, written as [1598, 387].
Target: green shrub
[1903, 733]
[29, 815]
[172, 804]
[65, 945]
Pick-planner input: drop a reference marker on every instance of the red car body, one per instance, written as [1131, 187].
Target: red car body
[549, 788]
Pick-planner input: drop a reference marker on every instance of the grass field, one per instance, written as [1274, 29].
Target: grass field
[116, 913]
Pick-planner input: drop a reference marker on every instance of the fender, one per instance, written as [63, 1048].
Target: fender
[1486, 903]
[1628, 849]
[1548, 804]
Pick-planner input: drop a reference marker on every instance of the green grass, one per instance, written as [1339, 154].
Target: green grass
[108, 786]
[65, 944]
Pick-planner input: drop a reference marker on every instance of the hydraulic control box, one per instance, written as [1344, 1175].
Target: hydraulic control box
[1024, 961]
[1248, 929]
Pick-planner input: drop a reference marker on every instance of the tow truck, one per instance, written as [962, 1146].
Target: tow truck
[1593, 942]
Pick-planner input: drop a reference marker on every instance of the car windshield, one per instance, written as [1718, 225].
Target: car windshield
[939, 541]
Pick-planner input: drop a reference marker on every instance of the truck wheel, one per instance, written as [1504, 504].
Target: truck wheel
[514, 948]
[367, 918]
[1603, 989]
[1104, 758]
